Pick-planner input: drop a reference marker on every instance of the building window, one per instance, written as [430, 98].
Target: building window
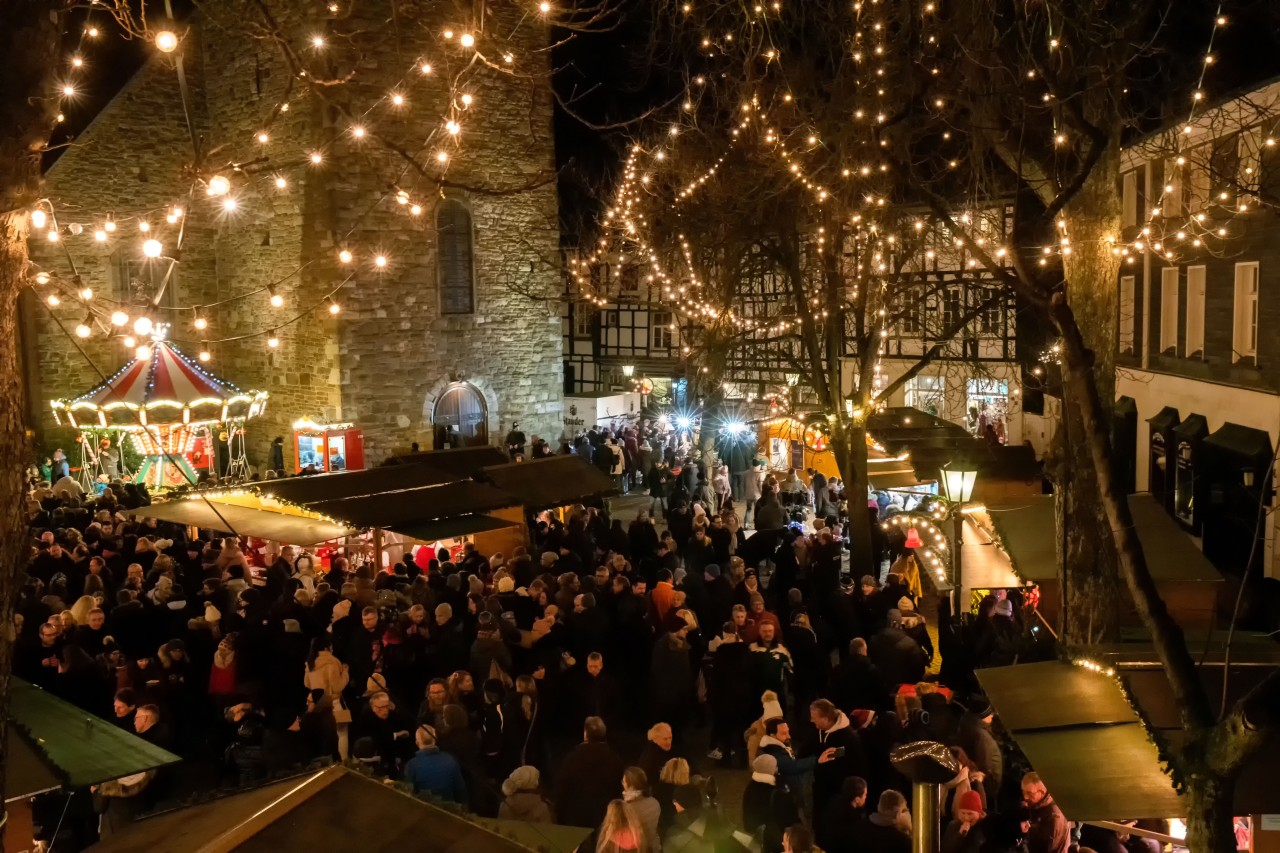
[1129, 200]
[1199, 179]
[138, 280]
[927, 393]
[1245, 332]
[1127, 310]
[660, 330]
[583, 315]
[1169, 310]
[951, 311]
[456, 264]
[1193, 346]
[1171, 198]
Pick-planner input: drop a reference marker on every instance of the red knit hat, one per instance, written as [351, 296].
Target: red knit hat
[971, 801]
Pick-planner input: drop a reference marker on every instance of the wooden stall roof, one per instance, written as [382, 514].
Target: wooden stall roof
[315, 488]
[415, 506]
[555, 481]
[244, 521]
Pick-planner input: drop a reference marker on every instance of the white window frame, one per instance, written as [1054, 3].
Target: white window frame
[583, 314]
[1244, 327]
[661, 331]
[1128, 287]
[1169, 309]
[1193, 340]
[1129, 199]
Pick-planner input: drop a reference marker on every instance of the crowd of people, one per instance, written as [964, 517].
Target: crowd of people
[599, 678]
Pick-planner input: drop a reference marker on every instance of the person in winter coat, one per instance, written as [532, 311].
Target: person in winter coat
[768, 806]
[728, 694]
[434, 772]
[588, 779]
[769, 662]
[522, 799]
[896, 655]
[913, 625]
[657, 750]
[671, 679]
[489, 648]
[636, 793]
[772, 711]
[964, 834]
[856, 683]
[793, 771]
[848, 758]
[1050, 832]
[889, 829]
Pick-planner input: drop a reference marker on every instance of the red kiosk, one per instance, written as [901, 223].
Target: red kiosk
[328, 447]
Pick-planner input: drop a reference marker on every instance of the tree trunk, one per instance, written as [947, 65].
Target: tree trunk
[1210, 818]
[849, 441]
[1088, 567]
[29, 33]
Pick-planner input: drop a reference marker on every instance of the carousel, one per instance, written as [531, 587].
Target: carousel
[177, 414]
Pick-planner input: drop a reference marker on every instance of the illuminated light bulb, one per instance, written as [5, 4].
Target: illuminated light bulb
[508, 58]
[317, 42]
[453, 127]
[230, 204]
[100, 235]
[344, 256]
[218, 185]
[68, 90]
[467, 40]
[334, 308]
[201, 323]
[204, 355]
[357, 132]
[144, 227]
[466, 100]
[119, 318]
[426, 68]
[263, 137]
[442, 157]
[143, 352]
[92, 32]
[166, 41]
[130, 341]
[448, 34]
[544, 8]
[109, 226]
[380, 262]
[277, 301]
[316, 158]
[83, 330]
[77, 62]
[171, 219]
[416, 210]
[152, 248]
[42, 278]
[273, 341]
[143, 326]
[53, 300]
[397, 99]
[281, 183]
[86, 294]
[39, 219]
[52, 235]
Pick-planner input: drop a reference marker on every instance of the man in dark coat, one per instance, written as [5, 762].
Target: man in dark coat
[768, 806]
[856, 684]
[879, 831]
[896, 655]
[589, 778]
[833, 730]
[835, 824]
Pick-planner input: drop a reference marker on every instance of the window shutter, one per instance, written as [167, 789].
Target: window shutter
[456, 266]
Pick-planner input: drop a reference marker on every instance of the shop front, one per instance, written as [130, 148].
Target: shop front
[328, 447]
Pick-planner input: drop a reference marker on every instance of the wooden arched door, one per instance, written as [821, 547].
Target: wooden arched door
[461, 418]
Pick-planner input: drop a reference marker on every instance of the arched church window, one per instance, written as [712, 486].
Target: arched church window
[456, 260]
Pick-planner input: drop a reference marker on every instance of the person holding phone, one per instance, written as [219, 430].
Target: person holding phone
[837, 737]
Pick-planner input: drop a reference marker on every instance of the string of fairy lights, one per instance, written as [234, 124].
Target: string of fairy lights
[1169, 227]
[153, 236]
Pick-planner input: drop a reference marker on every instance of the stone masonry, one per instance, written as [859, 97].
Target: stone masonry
[385, 358]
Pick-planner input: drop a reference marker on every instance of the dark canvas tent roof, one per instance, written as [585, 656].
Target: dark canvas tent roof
[1166, 418]
[1245, 441]
[462, 461]
[59, 743]
[333, 810]
[554, 481]
[1027, 535]
[449, 528]
[245, 521]
[347, 484]
[416, 505]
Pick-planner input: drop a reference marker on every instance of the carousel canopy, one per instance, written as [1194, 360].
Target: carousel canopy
[166, 388]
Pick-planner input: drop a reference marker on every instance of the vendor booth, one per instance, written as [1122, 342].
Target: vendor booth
[328, 447]
[175, 412]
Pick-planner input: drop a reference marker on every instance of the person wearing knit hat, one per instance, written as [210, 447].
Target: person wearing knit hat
[211, 614]
[522, 800]
[341, 610]
[377, 683]
[768, 807]
[906, 605]
[444, 612]
[506, 584]
[549, 558]
[965, 834]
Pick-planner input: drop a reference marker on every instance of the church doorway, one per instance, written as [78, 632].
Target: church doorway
[460, 417]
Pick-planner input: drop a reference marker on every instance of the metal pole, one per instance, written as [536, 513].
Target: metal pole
[925, 837]
[957, 580]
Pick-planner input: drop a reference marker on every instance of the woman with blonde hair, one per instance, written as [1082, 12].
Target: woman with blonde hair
[80, 610]
[676, 793]
[621, 831]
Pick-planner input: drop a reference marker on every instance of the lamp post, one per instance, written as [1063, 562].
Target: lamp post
[958, 479]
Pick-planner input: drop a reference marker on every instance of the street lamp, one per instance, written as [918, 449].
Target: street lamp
[958, 479]
[628, 370]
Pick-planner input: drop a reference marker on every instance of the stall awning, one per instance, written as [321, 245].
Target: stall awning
[67, 746]
[450, 528]
[463, 461]
[244, 521]
[416, 505]
[555, 481]
[1242, 440]
[1080, 734]
[348, 484]
[886, 480]
[1027, 534]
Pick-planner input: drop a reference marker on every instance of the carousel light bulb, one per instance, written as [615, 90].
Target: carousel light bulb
[204, 355]
[53, 300]
[119, 318]
[166, 41]
[38, 218]
[83, 330]
[201, 323]
[152, 248]
[130, 341]
[143, 326]
[143, 352]
[219, 185]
